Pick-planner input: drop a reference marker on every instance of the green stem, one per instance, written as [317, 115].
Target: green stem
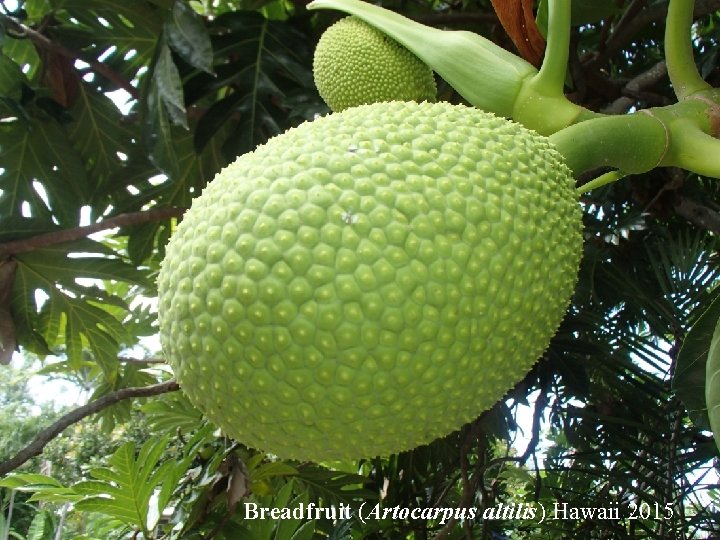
[693, 126]
[681, 66]
[541, 103]
[693, 150]
[632, 143]
[550, 80]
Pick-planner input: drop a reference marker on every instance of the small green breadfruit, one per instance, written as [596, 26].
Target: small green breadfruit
[356, 64]
[371, 280]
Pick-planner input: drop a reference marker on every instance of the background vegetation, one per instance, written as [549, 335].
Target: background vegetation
[114, 114]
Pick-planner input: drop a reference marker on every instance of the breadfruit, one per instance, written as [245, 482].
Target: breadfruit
[370, 281]
[356, 64]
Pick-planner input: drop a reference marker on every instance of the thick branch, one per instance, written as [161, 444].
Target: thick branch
[629, 27]
[699, 214]
[468, 489]
[68, 235]
[139, 361]
[540, 405]
[36, 447]
[647, 79]
[44, 42]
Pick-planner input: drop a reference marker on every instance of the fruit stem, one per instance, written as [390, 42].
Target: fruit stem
[541, 104]
[693, 126]
[693, 149]
[632, 143]
[681, 66]
[550, 80]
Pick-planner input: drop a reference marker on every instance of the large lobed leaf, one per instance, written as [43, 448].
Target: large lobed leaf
[712, 383]
[40, 152]
[124, 34]
[74, 313]
[100, 134]
[124, 489]
[265, 66]
[693, 369]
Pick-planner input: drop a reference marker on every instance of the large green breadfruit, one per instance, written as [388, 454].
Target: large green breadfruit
[370, 281]
[356, 64]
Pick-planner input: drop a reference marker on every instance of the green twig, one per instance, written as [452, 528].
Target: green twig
[693, 150]
[541, 103]
[682, 70]
[550, 80]
[632, 143]
[602, 180]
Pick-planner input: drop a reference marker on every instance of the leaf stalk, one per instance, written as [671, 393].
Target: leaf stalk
[681, 66]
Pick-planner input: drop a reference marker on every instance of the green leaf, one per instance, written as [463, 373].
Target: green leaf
[169, 87]
[141, 241]
[123, 489]
[188, 36]
[11, 78]
[84, 315]
[172, 412]
[99, 133]
[334, 487]
[43, 487]
[60, 264]
[22, 52]
[158, 134]
[266, 65]
[194, 170]
[17, 227]
[712, 384]
[123, 34]
[689, 380]
[270, 470]
[41, 527]
[29, 481]
[295, 529]
[486, 75]
[41, 153]
[130, 376]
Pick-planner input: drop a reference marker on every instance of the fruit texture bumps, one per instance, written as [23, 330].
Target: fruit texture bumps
[370, 281]
[356, 64]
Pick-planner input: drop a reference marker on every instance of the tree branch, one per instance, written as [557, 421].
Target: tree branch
[629, 27]
[468, 489]
[646, 79]
[141, 361]
[68, 235]
[36, 447]
[44, 42]
[699, 214]
[540, 404]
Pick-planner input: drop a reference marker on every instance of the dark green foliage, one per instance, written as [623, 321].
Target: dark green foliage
[616, 402]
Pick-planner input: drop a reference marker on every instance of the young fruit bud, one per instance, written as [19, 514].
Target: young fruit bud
[356, 64]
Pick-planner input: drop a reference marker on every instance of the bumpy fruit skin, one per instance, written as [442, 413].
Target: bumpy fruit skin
[370, 281]
[355, 64]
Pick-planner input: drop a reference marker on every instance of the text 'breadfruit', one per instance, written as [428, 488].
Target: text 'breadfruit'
[370, 281]
[356, 64]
